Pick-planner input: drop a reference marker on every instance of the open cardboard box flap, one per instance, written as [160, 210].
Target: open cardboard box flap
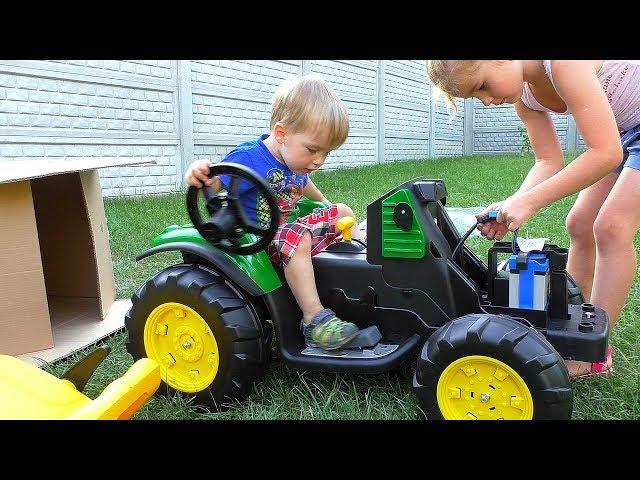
[57, 289]
[16, 170]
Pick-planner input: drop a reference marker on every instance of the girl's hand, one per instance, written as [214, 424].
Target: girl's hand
[492, 230]
[198, 173]
[516, 210]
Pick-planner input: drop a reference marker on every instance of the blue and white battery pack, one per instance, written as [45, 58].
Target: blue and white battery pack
[529, 281]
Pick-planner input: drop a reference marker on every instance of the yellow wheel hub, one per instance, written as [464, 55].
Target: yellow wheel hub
[483, 388]
[179, 339]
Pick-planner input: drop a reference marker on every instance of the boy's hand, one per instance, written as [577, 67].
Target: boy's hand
[198, 174]
[492, 230]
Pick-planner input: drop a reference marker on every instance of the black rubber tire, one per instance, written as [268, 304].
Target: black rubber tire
[500, 337]
[267, 336]
[243, 345]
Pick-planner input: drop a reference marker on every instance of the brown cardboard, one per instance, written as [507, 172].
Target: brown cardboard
[16, 170]
[77, 324]
[100, 237]
[24, 318]
[57, 290]
[66, 242]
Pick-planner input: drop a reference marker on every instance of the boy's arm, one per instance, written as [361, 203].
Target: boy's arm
[215, 186]
[197, 175]
[579, 87]
[313, 193]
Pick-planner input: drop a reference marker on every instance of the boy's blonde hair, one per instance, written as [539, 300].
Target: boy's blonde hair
[308, 104]
[447, 76]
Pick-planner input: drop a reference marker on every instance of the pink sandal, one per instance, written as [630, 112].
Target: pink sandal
[598, 368]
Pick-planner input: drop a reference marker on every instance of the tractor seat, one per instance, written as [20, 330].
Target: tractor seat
[350, 246]
[29, 393]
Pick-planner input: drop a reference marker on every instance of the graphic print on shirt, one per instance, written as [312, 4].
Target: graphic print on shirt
[288, 190]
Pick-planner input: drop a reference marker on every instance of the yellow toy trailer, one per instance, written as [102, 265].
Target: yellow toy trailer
[29, 393]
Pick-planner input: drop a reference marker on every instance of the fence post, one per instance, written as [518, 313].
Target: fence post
[432, 118]
[380, 112]
[467, 139]
[572, 134]
[185, 116]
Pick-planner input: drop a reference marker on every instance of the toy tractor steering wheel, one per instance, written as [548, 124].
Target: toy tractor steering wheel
[227, 220]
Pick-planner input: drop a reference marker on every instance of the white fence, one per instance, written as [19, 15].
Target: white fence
[175, 111]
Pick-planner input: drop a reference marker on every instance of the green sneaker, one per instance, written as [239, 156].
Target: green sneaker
[327, 331]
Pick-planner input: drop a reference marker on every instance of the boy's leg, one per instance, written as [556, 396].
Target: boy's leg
[320, 326]
[346, 211]
[301, 279]
[579, 222]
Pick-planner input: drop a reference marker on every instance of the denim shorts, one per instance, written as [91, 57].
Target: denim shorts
[630, 148]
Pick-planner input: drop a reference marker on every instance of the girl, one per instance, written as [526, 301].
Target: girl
[604, 98]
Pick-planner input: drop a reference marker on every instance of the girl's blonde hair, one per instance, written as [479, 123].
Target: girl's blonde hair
[308, 104]
[447, 76]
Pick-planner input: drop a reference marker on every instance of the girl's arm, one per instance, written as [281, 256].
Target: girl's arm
[549, 161]
[544, 143]
[577, 83]
[313, 193]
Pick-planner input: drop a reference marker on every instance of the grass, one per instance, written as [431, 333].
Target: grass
[289, 394]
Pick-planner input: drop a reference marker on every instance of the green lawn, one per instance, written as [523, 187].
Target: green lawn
[289, 394]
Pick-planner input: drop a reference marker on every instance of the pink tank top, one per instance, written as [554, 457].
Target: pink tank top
[620, 80]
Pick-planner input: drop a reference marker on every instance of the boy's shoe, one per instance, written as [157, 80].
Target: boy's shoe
[327, 331]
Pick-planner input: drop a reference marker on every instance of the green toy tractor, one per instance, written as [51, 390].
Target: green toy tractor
[488, 341]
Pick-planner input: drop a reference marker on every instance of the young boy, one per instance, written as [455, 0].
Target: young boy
[308, 120]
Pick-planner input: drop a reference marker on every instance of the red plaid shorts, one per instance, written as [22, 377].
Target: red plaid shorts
[321, 223]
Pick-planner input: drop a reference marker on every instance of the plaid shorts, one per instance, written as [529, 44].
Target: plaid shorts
[321, 223]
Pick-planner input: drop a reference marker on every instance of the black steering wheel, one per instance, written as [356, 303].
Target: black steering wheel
[227, 220]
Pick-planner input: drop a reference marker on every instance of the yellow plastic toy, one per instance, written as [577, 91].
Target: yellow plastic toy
[344, 225]
[29, 393]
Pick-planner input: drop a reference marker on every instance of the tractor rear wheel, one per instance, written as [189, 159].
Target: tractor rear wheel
[209, 341]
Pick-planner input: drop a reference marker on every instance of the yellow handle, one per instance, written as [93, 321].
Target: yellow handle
[344, 225]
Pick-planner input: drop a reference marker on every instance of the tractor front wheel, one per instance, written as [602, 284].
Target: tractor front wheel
[491, 367]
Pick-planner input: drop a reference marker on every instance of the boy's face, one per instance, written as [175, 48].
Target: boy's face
[495, 82]
[302, 152]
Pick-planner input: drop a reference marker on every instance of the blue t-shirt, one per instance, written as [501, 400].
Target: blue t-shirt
[287, 184]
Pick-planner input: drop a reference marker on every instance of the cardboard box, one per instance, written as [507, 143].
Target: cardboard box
[57, 289]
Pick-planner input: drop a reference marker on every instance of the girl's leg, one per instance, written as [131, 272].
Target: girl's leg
[579, 222]
[615, 229]
[582, 250]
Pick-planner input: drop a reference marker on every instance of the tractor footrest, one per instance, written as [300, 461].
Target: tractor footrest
[378, 351]
[367, 337]
[364, 345]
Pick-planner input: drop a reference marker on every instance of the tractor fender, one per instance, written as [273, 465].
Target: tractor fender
[213, 256]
